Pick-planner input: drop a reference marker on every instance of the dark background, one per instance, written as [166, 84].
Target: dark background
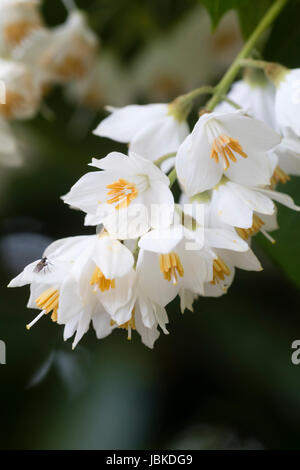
[223, 378]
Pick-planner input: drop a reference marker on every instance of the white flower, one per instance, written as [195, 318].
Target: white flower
[232, 144]
[123, 196]
[246, 209]
[287, 101]
[257, 98]
[141, 312]
[224, 270]
[178, 259]
[151, 130]
[9, 152]
[80, 279]
[22, 91]
[187, 299]
[63, 53]
[90, 279]
[106, 82]
[18, 19]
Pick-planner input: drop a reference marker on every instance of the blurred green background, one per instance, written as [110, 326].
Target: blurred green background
[223, 378]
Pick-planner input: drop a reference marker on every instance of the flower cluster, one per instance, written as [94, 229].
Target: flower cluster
[147, 249]
[33, 58]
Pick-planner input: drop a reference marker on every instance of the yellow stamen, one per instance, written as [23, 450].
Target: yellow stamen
[122, 193]
[171, 267]
[220, 270]
[245, 233]
[129, 325]
[48, 302]
[14, 33]
[224, 146]
[100, 280]
[279, 176]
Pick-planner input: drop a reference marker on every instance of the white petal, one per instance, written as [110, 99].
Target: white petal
[284, 199]
[231, 209]
[115, 161]
[90, 191]
[82, 327]
[228, 239]
[187, 299]
[71, 327]
[247, 260]
[287, 103]
[147, 310]
[159, 138]
[148, 335]
[151, 279]
[252, 134]
[101, 323]
[69, 302]
[196, 171]
[162, 318]
[162, 241]
[113, 258]
[68, 248]
[124, 123]
[253, 198]
[122, 295]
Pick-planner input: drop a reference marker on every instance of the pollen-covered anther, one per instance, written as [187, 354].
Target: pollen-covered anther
[129, 325]
[220, 270]
[171, 267]
[101, 281]
[279, 176]
[15, 32]
[245, 233]
[48, 302]
[122, 193]
[223, 147]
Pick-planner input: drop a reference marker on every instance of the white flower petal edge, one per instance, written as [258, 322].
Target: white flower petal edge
[287, 102]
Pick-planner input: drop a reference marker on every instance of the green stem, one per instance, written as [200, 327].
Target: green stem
[182, 105]
[224, 85]
[160, 160]
[172, 177]
[257, 64]
[203, 90]
[231, 102]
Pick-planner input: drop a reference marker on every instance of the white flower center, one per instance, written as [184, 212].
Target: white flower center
[122, 192]
[98, 279]
[220, 271]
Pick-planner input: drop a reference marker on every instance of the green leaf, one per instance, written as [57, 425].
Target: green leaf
[218, 8]
[250, 12]
[286, 251]
[284, 42]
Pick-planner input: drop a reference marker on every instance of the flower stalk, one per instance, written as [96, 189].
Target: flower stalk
[224, 85]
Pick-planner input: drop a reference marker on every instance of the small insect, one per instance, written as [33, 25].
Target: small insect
[42, 265]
